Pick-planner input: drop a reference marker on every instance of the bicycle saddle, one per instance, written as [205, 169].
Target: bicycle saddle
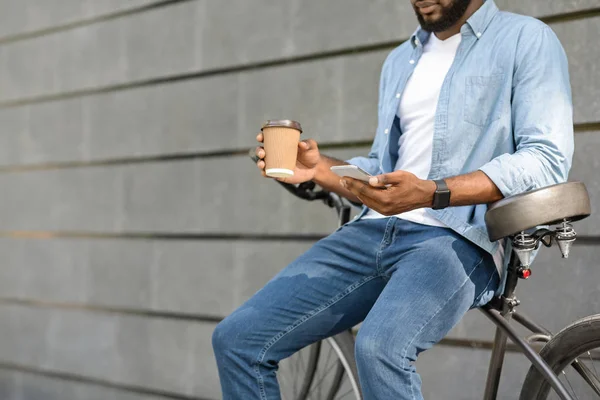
[546, 206]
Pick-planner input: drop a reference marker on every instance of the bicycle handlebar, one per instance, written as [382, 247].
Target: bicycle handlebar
[306, 191]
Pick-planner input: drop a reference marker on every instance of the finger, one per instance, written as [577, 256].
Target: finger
[304, 145]
[263, 173]
[358, 188]
[386, 180]
[260, 152]
[261, 165]
[260, 137]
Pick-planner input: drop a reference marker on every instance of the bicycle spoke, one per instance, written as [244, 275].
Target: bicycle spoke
[593, 365]
[571, 386]
[320, 381]
[295, 375]
[346, 393]
[323, 371]
[302, 363]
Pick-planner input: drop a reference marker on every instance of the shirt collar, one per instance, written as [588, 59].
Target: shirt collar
[478, 22]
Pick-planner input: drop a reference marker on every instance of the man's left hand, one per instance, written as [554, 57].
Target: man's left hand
[393, 193]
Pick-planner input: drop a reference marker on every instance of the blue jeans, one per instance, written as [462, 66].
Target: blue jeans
[409, 283]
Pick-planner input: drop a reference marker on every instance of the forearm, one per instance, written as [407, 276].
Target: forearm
[330, 181]
[473, 188]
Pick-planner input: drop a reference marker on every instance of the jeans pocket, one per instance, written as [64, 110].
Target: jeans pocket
[483, 99]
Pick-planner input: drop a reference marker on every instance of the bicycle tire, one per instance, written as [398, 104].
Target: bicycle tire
[577, 338]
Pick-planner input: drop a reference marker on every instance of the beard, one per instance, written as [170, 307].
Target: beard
[450, 16]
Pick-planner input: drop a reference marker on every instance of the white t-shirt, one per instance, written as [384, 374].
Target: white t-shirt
[418, 107]
[417, 110]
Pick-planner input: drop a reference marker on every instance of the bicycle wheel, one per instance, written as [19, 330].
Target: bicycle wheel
[295, 373]
[334, 375]
[574, 355]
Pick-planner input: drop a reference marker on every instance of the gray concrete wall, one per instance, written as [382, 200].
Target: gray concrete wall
[130, 214]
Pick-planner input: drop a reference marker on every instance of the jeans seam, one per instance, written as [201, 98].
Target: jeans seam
[297, 323]
[383, 245]
[412, 393]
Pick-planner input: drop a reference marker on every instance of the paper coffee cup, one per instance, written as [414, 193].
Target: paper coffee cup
[281, 139]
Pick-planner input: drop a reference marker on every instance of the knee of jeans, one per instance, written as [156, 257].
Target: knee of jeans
[368, 347]
[226, 335]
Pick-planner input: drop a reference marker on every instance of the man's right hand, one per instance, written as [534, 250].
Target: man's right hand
[306, 163]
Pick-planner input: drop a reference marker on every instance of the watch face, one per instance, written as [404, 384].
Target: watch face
[441, 199]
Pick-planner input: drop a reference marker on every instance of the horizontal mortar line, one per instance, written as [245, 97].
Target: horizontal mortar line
[202, 155]
[360, 49]
[199, 318]
[582, 240]
[88, 21]
[158, 158]
[66, 376]
[95, 308]
[201, 74]
[164, 236]
[571, 16]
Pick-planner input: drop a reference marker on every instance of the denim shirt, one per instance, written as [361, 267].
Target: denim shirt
[505, 108]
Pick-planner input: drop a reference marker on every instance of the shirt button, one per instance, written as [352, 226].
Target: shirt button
[478, 34]
[386, 131]
[397, 95]
[412, 61]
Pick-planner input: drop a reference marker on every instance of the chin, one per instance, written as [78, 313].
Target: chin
[431, 18]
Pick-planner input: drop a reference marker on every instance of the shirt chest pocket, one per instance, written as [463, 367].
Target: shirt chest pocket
[483, 99]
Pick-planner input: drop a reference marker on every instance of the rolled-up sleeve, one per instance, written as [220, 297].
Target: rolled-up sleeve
[542, 115]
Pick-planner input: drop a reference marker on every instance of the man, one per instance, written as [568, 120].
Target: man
[477, 102]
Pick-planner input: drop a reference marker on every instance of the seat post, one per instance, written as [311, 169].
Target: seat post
[499, 349]
[512, 278]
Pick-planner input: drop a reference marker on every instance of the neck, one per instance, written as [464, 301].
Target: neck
[454, 29]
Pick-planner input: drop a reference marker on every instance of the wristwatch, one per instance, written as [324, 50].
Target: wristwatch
[441, 197]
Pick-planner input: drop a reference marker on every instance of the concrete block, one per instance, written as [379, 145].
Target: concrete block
[36, 387]
[319, 26]
[206, 379]
[157, 353]
[161, 42]
[230, 38]
[119, 273]
[360, 96]
[169, 118]
[9, 382]
[585, 169]
[460, 374]
[56, 133]
[196, 276]
[23, 332]
[53, 270]
[162, 197]
[307, 92]
[83, 343]
[14, 129]
[582, 64]
[29, 15]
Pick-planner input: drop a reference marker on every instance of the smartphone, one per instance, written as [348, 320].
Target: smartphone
[351, 171]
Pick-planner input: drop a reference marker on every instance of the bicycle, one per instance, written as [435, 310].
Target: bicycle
[312, 373]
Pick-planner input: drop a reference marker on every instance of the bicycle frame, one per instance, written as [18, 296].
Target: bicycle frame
[500, 312]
